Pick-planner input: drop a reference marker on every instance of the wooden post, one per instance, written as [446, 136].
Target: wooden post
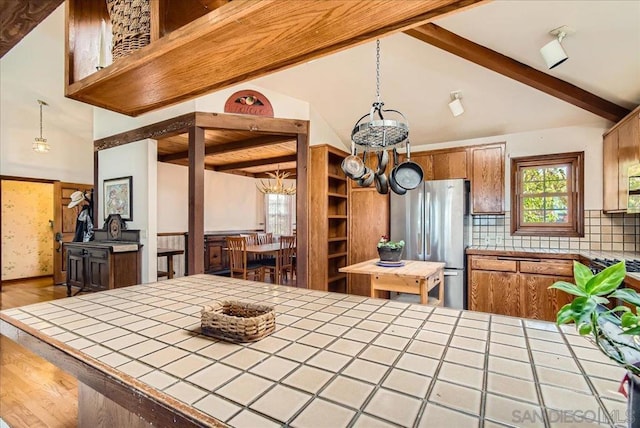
[195, 244]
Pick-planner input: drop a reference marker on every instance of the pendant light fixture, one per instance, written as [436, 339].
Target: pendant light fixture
[40, 144]
[278, 187]
[380, 129]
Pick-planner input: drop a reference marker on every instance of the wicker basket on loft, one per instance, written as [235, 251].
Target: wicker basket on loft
[130, 24]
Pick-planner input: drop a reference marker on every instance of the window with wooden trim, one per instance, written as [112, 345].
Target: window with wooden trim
[547, 194]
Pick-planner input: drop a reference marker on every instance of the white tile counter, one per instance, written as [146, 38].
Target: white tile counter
[335, 360]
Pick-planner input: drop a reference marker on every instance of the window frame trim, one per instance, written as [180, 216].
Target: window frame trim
[575, 227]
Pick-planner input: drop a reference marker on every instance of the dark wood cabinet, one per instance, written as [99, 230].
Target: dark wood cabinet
[96, 266]
[518, 286]
[216, 259]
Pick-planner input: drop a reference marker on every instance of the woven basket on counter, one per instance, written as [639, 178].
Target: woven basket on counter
[235, 321]
[130, 24]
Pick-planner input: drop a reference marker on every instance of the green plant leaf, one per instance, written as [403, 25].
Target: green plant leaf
[634, 330]
[583, 308]
[582, 274]
[628, 320]
[565, 314]
[584, 329]
[627, 295]
[607, 280]
[570, 288]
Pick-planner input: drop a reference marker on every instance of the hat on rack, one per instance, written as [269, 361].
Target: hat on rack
[76, 198]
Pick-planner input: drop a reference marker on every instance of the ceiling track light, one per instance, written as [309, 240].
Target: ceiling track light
[455, 105]
[553, 52]
[40, 144]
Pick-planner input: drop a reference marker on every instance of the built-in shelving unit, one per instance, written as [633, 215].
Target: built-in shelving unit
[328, 192]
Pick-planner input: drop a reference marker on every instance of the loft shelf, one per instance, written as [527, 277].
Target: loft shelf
[238, 41]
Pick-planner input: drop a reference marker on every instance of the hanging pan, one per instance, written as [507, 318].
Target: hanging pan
[352, 165]
[382, 184]
[392, 181]
[368, 176]
[408, 174]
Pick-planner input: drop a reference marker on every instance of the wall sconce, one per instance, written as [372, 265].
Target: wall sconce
[456, 105]
[553, 52]
[40, 144]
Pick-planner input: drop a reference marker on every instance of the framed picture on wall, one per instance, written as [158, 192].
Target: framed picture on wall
[118, 197]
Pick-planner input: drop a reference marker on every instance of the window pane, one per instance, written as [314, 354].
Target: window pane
[533, 187]
[532, 174]
[557, 173]
[533, 203]
[556, 216]
[634, 202]
[556, 186]
[533, 216]
[556, 202]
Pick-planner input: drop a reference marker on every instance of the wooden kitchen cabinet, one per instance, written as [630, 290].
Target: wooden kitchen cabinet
[368, 221]
[495, 292]
[518, 286]
[621, 149]
[483, 165]
[487, 179]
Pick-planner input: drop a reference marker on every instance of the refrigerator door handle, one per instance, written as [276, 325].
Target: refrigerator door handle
[450, 273]
[427, 225]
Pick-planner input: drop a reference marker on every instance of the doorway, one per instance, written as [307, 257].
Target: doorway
[27, 238]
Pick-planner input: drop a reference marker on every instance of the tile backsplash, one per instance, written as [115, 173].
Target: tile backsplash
[602, 232]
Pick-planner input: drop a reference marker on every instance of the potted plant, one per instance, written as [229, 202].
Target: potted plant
[614, 328]
[390, 251]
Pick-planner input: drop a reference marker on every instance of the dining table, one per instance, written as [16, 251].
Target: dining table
[266, 249]
[411, 276]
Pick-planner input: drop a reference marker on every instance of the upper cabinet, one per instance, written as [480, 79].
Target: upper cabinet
[621, 149]
[482, 165]
[198, 46]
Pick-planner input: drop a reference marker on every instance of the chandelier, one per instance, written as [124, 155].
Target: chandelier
[276, 186]
[380, 132]
[40, 144]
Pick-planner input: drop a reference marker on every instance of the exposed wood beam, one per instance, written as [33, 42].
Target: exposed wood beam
[195, 239]
[19, 17]
[267, 140]
[256, 162]
[240, 41]
[268, 125]
[478, 54]
[166, 128]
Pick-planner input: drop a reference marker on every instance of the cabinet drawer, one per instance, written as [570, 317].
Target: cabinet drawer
[548, 267]
[491, 263]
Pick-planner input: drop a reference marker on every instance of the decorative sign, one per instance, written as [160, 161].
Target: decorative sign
[249, 102]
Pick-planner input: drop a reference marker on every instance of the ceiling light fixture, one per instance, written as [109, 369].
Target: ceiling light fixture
[455, 105]
[40, 145]
[553, 52]
[380, 133]
[278, 187]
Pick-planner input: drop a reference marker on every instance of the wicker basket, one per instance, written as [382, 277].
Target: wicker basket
[130, 24]
[235, 321]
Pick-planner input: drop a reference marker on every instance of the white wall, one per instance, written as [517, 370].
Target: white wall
[231, 202]
[32, 70]
[557, 140]
[139, 161]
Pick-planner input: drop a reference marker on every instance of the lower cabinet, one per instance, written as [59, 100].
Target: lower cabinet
[518, 287]
[95, 267]
[215, 256]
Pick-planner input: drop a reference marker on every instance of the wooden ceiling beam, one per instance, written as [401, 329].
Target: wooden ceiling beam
[263, 141]
[256, 162]
[19, 17]
[478, 54]
[240, 41]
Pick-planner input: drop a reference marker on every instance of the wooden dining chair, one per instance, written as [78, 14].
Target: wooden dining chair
[238, 262]
[286, 255]
[265, 238]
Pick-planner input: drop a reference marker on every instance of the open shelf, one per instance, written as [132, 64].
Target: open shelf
[337, 177]
[337, 277]
[337, 238]
[337, 195]
[336, 255]
[337, 217]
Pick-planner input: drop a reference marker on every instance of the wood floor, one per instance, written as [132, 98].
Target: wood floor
[33, 392]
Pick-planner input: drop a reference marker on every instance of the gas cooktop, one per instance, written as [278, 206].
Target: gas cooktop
[632, 265]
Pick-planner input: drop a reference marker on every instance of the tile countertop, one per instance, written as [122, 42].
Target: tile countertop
[335, 360]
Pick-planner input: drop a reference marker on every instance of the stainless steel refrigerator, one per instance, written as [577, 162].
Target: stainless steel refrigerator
[434, 222]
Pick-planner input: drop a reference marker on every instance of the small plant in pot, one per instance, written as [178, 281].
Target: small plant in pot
[390, 251]
[614, 329]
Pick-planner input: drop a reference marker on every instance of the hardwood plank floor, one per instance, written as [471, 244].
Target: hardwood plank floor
[33, 392]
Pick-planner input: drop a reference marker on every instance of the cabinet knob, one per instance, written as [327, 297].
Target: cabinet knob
[85, 252]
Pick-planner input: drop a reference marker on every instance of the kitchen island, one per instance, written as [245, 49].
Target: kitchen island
[334, 360]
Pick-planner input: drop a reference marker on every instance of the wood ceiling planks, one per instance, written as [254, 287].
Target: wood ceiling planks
[19, 17]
